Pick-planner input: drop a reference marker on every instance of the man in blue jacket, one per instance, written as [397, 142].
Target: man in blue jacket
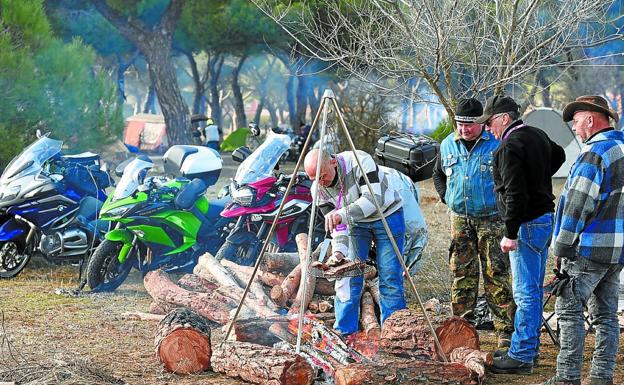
[589, 237]
[463, 179]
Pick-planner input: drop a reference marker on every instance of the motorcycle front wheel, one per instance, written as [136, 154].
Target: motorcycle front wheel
[13, 258]
[105, 272]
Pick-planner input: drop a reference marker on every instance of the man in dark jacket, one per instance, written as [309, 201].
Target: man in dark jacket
[524, 165]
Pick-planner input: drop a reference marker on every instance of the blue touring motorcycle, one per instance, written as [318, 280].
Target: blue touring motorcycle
[49, 204]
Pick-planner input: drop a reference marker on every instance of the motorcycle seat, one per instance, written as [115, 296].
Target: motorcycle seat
[189, 194]
[217, 206]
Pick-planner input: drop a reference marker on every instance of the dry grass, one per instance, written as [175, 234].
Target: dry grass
[84, 339]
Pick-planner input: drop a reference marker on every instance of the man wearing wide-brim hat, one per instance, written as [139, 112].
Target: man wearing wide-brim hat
[589, 239]
[524, 164]
[463, 178]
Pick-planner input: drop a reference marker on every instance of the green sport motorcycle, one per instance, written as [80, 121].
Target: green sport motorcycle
[161, 222]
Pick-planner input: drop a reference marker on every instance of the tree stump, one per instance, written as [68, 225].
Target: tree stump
[183, 342]
[406, 333]
[261, 365]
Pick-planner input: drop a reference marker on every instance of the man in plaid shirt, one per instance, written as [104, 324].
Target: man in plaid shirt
[589, 237]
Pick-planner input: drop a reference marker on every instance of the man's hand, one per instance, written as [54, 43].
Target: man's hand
[508, 245]
[335, 259]
[332, 220]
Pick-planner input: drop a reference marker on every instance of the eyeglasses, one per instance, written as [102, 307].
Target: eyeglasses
[492, 118]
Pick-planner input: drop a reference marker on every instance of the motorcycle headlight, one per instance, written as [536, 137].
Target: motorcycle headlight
[117, 211]
[243, 196]
[9, 193]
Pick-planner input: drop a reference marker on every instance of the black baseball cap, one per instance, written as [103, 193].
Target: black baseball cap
[495, 105]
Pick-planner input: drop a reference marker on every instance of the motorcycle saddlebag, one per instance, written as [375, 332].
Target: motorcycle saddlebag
[413, 155]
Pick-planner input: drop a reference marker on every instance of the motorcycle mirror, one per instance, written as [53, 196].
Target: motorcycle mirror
[240, 154]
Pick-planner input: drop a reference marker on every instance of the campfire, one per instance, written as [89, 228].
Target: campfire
[261, 345]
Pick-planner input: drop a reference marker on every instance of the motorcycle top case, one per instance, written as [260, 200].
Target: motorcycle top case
[413, 155]
[193, 162]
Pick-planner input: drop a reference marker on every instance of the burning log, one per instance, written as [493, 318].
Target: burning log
[282, 293]
[402, 372]
[256, 330]
[368, 317]
[407, 333]
[196, 283]
[475, 360]
[261, 365]
[183, 342]
[310, 280]
[214, 306]
[279, 262]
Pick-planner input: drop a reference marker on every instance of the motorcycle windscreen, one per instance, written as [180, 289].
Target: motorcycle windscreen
[132, 177]
[262, 161]
[31, 160]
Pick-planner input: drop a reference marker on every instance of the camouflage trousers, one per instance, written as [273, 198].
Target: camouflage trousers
[476, 243]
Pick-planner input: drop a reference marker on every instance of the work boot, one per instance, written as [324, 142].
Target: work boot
[503, 352]
[598, 381]
[504, 340]
[508, 365]
[561, 381]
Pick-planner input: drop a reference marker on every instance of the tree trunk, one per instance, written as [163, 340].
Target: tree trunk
[261, 365]
[292, 106]
[407, 333]
[214, 306]
[163, 75]
[545, 87]
[240, 120]
[302, 97]
[314, 100]
[199, 93]
[272, 113]
[216, 64]
[258, 113]
[183, 342]
[395, 373]
[150, 100]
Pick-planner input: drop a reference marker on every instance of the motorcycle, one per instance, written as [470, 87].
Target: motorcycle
[49, 203]
[161, 222]
[257, 191]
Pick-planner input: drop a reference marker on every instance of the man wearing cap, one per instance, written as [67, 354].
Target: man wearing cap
[589, 238]
[463, 179]
[524, 164]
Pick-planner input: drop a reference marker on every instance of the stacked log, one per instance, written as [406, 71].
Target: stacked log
[214, 291]
[183, 342]
[261, 365]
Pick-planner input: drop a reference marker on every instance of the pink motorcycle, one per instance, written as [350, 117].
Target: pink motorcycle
[257, 191]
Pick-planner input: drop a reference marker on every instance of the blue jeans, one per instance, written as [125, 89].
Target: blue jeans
[528, 267]
[595, 285]
[391, 295]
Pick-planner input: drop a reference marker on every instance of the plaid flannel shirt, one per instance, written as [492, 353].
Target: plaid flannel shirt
[590, 215]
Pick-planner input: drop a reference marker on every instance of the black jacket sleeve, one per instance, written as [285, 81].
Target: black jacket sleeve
[516, 195]
[557, 156]
[439, 178]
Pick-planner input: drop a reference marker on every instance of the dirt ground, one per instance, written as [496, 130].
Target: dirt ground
[44, 324]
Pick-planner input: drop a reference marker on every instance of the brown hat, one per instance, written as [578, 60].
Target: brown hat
[588, 103]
